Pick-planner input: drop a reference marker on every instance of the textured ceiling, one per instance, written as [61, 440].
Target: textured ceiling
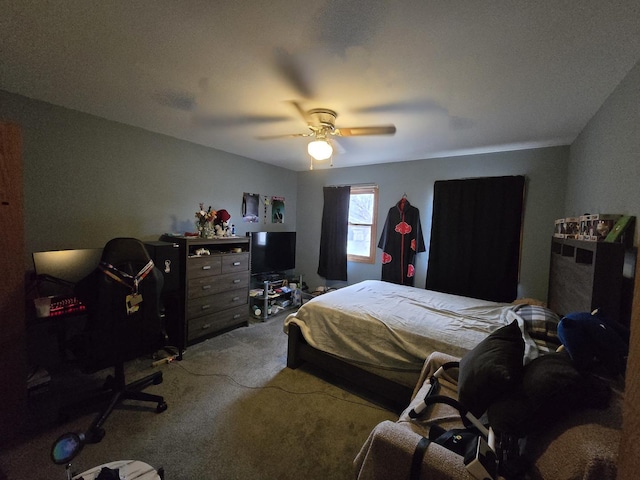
[454, 77]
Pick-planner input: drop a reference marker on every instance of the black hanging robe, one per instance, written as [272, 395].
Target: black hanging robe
[401, 239]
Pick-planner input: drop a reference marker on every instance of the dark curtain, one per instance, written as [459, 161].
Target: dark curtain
[332, 263]
[475, 237]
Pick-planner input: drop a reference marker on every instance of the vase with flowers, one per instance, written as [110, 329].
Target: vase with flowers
[204, 221]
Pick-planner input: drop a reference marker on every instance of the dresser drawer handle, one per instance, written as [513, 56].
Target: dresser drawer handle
[236, 264]
[237, 315]
[206, 287]
[205, 326]
[206, 267]
[205, 307]
[237, 280]
[235, 299]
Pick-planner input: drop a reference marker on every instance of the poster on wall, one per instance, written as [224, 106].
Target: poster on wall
[250, 207]
[277, 209]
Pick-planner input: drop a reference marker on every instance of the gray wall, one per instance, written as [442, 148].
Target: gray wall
[604, 167]
[87, 180]
[545, 169]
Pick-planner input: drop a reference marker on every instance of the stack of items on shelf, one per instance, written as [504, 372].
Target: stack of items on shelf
[283, 302]
[280, 295]
[593, 227]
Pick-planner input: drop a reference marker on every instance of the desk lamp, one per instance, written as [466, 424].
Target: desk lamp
[65, 449]
[67, 446]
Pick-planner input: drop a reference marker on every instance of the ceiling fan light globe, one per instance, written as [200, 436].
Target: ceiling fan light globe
[320, 149]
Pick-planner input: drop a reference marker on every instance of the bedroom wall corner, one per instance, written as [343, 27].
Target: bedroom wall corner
[604, 165]
[629, 452]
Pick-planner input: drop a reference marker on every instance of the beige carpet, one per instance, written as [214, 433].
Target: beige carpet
[235, 412]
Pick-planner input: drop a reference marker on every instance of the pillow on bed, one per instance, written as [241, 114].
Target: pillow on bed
[551, 388]
[493, 368]
[542, 326]
[529, 301]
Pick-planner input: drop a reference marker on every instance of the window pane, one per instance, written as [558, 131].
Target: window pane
[363, 203]
[361, 208]
[359, 240]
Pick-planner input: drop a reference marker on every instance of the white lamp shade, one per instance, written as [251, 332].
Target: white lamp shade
[320, 149]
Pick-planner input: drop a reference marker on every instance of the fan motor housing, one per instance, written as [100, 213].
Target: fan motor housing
[323, 118]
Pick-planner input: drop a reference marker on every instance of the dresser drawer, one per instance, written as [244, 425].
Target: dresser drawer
[234, 262]
[214, 303]
[203, 286]
[213, 322]
[203, 266]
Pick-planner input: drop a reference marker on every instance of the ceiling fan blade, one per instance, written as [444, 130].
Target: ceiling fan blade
[302, 112]
[405, 106]
[357, 131]
[337, 146]
[291, 135]
[290, 69]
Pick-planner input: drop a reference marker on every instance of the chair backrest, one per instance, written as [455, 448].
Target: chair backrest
[112, 333]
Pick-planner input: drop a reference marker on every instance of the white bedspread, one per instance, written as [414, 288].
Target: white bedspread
[393, 326]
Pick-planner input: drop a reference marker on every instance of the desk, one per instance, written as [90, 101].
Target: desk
[47, 337]
[128, 470]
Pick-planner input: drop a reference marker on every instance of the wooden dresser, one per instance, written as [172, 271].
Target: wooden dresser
[214, 286]
[586, 275]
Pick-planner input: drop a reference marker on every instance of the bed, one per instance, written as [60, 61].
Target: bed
[376, 335]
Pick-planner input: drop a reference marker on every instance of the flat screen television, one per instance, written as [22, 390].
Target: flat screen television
[272, 252]
[59, 270]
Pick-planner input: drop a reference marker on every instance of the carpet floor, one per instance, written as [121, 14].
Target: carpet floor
[234, 412]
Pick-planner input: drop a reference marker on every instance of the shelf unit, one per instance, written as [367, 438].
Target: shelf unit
[214, 287]
[586, 275]
[263, 306]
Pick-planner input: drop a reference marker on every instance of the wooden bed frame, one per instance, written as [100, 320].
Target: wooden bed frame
[376, 388]
[591, 272]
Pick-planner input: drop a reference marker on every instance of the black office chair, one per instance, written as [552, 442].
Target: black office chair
[124, 321]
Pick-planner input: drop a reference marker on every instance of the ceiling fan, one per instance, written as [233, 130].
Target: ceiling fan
[322, 129]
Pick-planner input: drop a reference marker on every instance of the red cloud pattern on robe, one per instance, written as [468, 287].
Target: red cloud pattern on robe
[410, 270]
[403, 228]
[386, 258]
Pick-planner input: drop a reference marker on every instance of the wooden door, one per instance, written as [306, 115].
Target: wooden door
[13, 376]
[629, 452]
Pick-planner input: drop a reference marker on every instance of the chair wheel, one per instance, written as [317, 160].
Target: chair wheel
[161, 407]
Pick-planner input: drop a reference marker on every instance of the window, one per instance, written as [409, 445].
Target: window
[363, 206]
